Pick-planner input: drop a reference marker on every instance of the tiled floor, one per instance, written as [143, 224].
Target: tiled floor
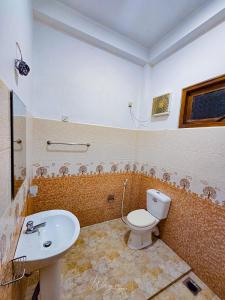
[100, 266]
[178, 291]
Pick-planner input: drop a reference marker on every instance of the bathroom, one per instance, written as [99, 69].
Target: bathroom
[112, 153]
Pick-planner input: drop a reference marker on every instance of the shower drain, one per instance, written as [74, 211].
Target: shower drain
[47, 244]
[192, 286]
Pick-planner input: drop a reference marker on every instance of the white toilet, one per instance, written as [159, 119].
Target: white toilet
[143, 222]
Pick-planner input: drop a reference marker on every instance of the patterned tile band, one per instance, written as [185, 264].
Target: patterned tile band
[198, 186]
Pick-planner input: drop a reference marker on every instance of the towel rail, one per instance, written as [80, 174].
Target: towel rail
[68, 144]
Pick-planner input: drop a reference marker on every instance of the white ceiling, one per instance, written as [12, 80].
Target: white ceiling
[144, 21]
[141, 31]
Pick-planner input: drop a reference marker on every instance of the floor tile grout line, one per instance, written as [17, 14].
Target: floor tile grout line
[170, 284]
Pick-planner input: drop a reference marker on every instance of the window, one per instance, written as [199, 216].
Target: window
[203, 104]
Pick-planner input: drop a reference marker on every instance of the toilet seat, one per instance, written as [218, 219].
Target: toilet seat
[141, 218]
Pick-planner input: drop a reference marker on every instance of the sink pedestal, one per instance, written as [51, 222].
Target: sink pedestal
[50, 281]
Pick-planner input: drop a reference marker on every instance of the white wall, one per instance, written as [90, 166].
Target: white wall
[76, 79]
[93, 86]
[202, 59]
[16, 26]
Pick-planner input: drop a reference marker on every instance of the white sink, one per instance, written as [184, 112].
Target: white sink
[62, 229]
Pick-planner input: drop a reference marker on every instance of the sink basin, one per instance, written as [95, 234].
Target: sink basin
[62, 230]
[44, 248]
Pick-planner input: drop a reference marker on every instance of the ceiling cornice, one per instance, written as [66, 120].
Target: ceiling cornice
[198, 23]
[65, 19]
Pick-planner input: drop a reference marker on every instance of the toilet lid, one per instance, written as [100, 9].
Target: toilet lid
[141, 218]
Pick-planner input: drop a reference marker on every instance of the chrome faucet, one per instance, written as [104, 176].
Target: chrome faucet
[31, 228]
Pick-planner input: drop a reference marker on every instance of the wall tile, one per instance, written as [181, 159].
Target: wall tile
[11, 212]
[194, 227]
[190, 162]
[5, 180]
[107, 144]
[194, 230]
[4, 117]
[85, 195]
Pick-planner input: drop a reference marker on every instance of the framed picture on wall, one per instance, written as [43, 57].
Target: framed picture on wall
[203, 104]
[160, 105]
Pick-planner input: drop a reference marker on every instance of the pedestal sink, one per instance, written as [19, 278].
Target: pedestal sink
[44, 248]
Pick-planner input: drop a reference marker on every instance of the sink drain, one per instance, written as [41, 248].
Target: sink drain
[47, 244]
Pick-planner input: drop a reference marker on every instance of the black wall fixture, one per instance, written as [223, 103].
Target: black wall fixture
[20, 64]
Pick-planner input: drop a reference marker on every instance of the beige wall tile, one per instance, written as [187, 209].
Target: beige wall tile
[107, 144]
[5, 181]
[11, 212]
[198, 153]
[4, 117]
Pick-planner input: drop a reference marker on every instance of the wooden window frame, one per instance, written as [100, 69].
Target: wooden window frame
[204, 87]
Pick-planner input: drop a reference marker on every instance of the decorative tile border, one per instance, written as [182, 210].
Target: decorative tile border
[198, 186]
[10, 224]
[56, 169]
[180, 180]
[20, 172]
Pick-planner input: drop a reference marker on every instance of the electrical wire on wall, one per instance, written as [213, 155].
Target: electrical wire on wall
[143, 123]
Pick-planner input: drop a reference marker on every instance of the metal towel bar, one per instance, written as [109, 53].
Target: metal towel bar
[69, 144]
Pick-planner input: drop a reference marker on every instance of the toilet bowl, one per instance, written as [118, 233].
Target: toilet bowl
[143, 223]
